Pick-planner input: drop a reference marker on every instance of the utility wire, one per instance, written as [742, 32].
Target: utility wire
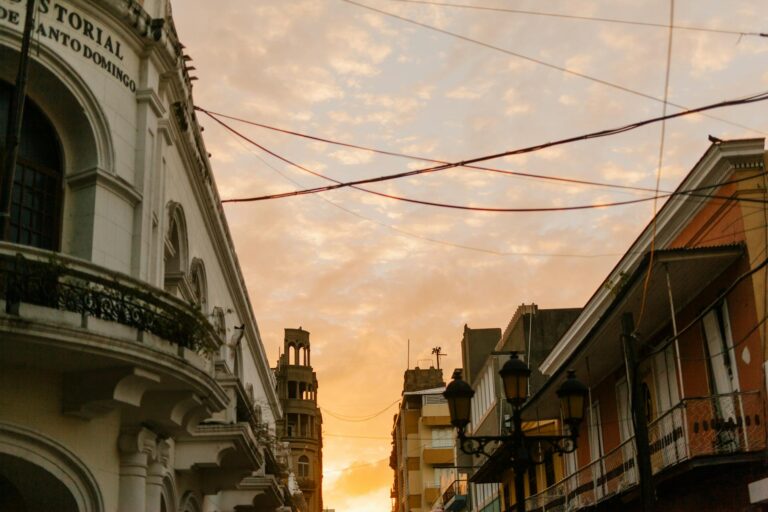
[529, 149]
[659, 166]
[706, 310]
[587, 18]
[558, 179]
[410, 234]
[562, 69]
[354, 185]
[691, 192]
[345, 417]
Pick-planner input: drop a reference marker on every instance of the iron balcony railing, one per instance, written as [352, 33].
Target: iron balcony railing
[696, 427]
[456, 489]
[55, 281]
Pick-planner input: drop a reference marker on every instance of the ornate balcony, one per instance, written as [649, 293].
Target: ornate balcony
[697, 428]
[114, 340]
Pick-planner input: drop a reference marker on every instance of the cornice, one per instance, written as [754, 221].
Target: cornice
[150, 96]
[115, 184]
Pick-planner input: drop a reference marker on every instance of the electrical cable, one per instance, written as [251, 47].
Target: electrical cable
[562, 69]
[410, 234]
[738, 343]
[528, 149]
[706, 310]
[587, 18]
[462, 207]
[648, 274]
[349, 418]
[354, 185]
[558, 179]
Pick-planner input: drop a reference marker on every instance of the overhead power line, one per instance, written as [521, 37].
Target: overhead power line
[540, 62]
[344, 417]
[519, 174]
[410, 234]
[530, 149]
[661, 161]
[741, 33]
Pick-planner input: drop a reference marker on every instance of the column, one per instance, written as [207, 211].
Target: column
[136, 445]
[155, 474]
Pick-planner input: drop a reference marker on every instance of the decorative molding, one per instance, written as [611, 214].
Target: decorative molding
[115, 184]
[134, 440]
[93, 393]
[150, 96]
[37, 449]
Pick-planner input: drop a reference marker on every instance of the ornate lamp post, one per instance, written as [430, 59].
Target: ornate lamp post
[515, 375]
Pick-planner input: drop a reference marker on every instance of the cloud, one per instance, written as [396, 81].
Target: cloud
[352, 156]
[514, 105]
[363, 289]
[469, 92]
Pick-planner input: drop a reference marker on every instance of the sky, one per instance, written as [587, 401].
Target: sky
[370, 276]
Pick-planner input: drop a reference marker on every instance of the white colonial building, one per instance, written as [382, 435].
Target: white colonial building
[132, 373]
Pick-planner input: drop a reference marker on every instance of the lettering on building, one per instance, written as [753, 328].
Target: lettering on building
[92, 42]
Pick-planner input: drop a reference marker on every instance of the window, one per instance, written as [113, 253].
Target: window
[292, 425]
[549, 469]
[37, 182]
[303, 466]
[484, 399]
[442, 438]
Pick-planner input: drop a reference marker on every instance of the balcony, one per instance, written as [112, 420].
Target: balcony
[114, 340]
[455, 496]
[439, 452]
[697, 428]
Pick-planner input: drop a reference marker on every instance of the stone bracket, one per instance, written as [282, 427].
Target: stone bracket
[93, 393]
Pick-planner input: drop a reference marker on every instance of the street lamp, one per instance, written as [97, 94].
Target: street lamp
[514, 375]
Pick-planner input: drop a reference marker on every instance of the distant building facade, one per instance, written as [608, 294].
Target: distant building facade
[423, 441]
[532, 332]
[302, 425]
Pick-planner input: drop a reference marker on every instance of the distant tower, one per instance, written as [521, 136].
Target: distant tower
[302, 422]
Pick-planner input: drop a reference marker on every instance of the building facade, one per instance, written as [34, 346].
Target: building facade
[132, 372]
[678, 336]
[423, 442]
[532, 332]
[302, 425]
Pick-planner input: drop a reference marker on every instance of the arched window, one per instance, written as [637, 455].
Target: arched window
[37, 182]
[176, 249]
[198, 284]
[303, 468]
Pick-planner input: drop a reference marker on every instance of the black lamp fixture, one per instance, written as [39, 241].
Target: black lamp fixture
[528, 449]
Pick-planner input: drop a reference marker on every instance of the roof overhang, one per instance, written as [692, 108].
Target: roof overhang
[683, 273]
[713, 168]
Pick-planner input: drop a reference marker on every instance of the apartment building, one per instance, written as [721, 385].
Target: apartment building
[422, 443]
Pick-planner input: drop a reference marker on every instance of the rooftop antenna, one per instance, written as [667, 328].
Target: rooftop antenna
[438, 352]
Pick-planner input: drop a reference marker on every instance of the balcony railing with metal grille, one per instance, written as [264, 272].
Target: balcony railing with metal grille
[697, 427]
[66, 284]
